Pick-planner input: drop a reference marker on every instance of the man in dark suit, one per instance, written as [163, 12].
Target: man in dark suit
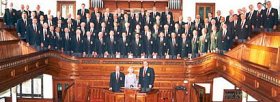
[22, 26]
[38, 12]
[136, 46]
[123, 47]
[19, 12]
[184, 47]
[111, 45]
[251, 17]
[77, 44]
[57, 18]
[83, 11]
[10, 16]
[116, 80]
[172, 47]
[100, 45]
[66, 42]
[224, 39]
[33, 35]
[148, 45]
[154, 13]
[146, 77]
[88, 45]
[270, 18]
[243, 32]
[258, 24]
[160, 46]
[44, 35]
[28, 12]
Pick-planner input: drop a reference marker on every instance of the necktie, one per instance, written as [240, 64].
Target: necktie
[25, 23]
[35, 28]
[144, 72]
[117, 77]
[268, 11]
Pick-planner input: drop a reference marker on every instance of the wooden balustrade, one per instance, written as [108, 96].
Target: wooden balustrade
[87, 72]
[10, 48]
[8, 34]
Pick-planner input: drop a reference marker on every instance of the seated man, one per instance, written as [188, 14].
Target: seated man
[116, 80]
[146, 77]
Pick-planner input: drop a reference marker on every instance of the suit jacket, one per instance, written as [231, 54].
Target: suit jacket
[10, 16]
[66, 43]
[136, 49]
[161, 46]
[244, 32]
[111, 46]
[22, 27]
[184, 48]
[172, 49]
[38, 14]
[116, 83]
[149, 46]
[100, 47]
[89, 45]
[83, 15]
[33, 37]
[223, 40]
[146, 79]
[259, 19]
[270, 19]
[77, 46]
[123, 47]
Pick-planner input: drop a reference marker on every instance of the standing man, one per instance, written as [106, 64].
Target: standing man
[10, 16]
[270, 18]
[22, 25]
[83, 11]
[146, 77]
[116, 80]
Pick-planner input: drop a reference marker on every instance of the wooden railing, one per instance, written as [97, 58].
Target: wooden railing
[8, 34]
[13, 48]
[254, 79]
[10, 48]
[264, 56]
[9, 99]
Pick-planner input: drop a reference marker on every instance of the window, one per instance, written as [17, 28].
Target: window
[32, 88]
[203, 9]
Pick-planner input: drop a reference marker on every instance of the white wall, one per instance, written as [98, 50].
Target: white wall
[223, 5]
[47, 86]
[206, 86]
[219, 84]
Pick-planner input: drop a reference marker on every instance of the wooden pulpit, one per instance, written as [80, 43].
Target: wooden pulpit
[131, 95]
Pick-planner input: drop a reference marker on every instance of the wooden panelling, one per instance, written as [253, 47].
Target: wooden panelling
[123, 4]
[10, 49]
[148, 4]
[110, 4]
[135, 4]
[161, 5]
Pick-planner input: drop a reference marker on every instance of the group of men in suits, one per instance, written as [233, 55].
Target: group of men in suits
[148, 34]
[145, 82]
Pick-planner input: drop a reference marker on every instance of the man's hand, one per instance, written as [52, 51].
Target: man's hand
[139, 85]
[110, 88]
[42, 45]
[19, 34]
[150, 86]
[27, 44]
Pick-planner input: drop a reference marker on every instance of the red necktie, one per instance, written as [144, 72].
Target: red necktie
[144, 73]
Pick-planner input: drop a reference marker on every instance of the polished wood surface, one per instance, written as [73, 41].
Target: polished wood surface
[86, 72]
[151, 96]
[11, 48]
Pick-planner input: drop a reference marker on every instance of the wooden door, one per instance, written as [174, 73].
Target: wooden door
[203, 9]
[67, 7]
